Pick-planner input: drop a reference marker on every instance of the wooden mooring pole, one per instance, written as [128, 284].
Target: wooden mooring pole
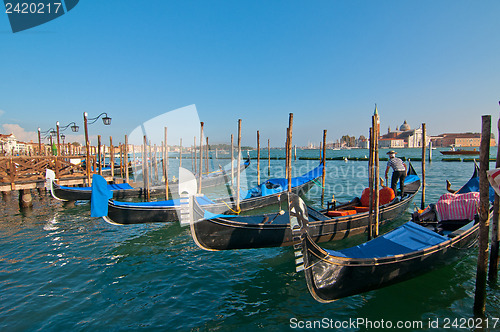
[323, 175]
[376, 176]
[290, 134]
[99, 160]
[150, 164]
[371, 162]
[155, 158]
[268, 157]
[484, 221]
[258, 157]
[286, 151]
[25, 199]
[201, 158]
[121, 160]
[112, 156]
[495, 230]
[145, 168]
[165, 164]
[206, 158]
[87, 148]
[232, 160]
[238, 174]
[424, 133]
[125, 162]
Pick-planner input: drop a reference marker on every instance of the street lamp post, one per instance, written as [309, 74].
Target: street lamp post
[74, 128]
[46, 134]
[87, 159]
[107, 121]
[63, 137]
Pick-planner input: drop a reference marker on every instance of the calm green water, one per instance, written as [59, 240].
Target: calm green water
[62, 270]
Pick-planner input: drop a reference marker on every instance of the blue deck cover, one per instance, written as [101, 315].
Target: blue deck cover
[411, 178]
[121, 186]
[404, 239]
[278, 185]
[473, 185]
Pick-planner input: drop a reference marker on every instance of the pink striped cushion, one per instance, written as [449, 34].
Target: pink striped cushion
[457, 206]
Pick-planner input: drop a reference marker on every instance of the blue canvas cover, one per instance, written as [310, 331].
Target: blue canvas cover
[411, 178]
[473, 185]
[402, 240]
[278, 185]
[100, 196]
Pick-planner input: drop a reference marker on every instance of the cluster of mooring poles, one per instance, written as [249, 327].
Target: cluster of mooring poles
[373, 177]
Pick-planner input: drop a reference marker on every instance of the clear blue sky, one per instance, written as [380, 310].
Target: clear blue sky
[328, 62]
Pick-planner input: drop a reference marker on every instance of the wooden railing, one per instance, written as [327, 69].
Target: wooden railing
[18, 171]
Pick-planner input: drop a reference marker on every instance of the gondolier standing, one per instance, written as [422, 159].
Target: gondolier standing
[398, 172]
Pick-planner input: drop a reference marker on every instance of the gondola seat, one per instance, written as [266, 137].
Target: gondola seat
[340, 213]
[386, 195]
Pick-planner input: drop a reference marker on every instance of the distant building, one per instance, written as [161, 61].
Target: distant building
[9, 145]
[391, 143]
[459, 140]
[363, 143]
[405, 137]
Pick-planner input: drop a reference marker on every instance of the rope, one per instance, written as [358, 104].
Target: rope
[232, 209]
[318, 184]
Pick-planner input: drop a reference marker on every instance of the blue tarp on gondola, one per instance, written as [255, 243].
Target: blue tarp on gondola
[407, 238]
[277, 185]
[100, 196]
[411, 178]
[473, 185]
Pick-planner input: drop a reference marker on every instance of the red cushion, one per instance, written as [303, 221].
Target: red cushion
[340, 213]
[360, 209]
[386, 195]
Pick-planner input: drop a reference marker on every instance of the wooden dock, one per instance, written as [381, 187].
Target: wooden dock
[28, 172]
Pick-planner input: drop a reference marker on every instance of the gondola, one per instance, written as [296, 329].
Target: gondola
[221, 232]
[124, 190]
[410, 250]
[265, 194]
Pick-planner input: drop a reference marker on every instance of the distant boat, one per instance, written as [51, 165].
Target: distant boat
[452, 151]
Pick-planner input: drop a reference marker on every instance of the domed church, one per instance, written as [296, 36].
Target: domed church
[405, 137]
[405, 126]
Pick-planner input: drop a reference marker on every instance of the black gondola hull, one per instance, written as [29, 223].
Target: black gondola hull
[69, 194]
[329, 278]
[225, 234]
